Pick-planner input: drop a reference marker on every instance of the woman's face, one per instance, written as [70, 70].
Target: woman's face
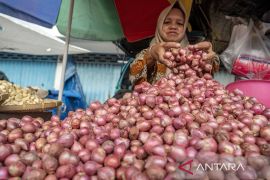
[173, 26]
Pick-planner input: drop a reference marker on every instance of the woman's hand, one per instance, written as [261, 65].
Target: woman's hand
[206, 47]
[158, 52]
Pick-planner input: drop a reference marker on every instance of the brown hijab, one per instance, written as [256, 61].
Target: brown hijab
[138, 68]
[161, 19]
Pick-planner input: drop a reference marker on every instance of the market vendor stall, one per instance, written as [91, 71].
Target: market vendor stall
[3, 97]
[177, 128]
[17, 102]
[185, 125]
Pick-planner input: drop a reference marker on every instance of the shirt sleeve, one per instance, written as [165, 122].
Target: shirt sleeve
[215, 63]
[139, 72]
[138, 69]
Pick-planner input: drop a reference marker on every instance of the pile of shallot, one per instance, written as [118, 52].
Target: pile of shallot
[185, 117]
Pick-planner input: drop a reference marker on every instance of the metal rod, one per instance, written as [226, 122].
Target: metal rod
[64, 63]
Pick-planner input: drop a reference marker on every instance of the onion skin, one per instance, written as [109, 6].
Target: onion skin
[29, 157]
[5, 151]
[139, 164]
[134, 133]
[84, 155]
[156, 172]
[120, 172]
[250, 139]
[191, 152]
[13, 158]
[146, 134]
[91, 167]
[91, 145]
[81, 176]
[175, 175]
[247, 173]
[40, 143]
[56, 149]
[143, 136]
[231, 176]
[168, 137]
[157, 129]
[34, 174]
[11, 125]
[178, 153]
[15, 134]
[139, 176]
[159, 150]
[67, 157]
[217, 175]
[98, 155]
[3, 138]
[79, 168]
[130, 171]
[155, 161]
[50, 164]
[29, 137]
[65, 171]
[37, 164]
[257, 162]
[266, 172]
[76, 147]
[4, 173]
[22, 143]
[3, 124]
[28, 127]
[236, 139]
[128, 158]
[265, 149]
[141, 153]
[226, 147]
[66, 140]
[112, 161]
[265, 133]
[51, 177]
[171, 167]
[152, 141]
[16, 169]
[105, 173]
[207, 157]
[207, 144]
[120, 150]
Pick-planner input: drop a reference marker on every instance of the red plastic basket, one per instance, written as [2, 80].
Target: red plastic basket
[260, 89]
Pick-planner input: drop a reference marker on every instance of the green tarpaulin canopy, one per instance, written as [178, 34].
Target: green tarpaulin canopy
[95, 20]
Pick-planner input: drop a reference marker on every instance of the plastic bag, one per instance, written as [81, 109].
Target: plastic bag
[247, 55]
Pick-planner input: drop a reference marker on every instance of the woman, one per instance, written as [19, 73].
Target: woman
[150, 64]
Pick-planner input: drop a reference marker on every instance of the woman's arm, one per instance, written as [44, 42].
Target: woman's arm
[148, 62]
[157, 51]
[142, 68]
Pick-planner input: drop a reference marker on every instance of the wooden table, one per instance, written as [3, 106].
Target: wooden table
[45, 115]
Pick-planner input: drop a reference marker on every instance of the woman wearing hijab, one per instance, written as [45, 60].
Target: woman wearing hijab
[150, 64]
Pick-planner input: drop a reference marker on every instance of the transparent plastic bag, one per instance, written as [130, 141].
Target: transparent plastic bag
[247, 55]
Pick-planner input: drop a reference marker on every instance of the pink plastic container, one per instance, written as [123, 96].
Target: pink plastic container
[260, 89]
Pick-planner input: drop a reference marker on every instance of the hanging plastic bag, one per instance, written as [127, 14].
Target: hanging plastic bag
[247, 55]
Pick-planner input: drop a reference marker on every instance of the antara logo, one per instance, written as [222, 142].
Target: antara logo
[181, 167]
[211, 167]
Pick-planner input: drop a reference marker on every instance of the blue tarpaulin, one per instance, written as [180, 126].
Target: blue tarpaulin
[41, 12]
[73, 96]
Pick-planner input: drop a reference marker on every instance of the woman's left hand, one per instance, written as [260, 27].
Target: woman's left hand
[158, 52]
[207, 48]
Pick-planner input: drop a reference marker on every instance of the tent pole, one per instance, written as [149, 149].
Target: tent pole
[64, 63]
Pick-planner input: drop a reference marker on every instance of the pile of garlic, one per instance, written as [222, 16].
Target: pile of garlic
[18, 95]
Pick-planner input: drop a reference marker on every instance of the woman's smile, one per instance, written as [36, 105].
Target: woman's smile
[172, 33]
[173, 26]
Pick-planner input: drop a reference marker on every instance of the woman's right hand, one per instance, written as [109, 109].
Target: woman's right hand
[160, 53]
